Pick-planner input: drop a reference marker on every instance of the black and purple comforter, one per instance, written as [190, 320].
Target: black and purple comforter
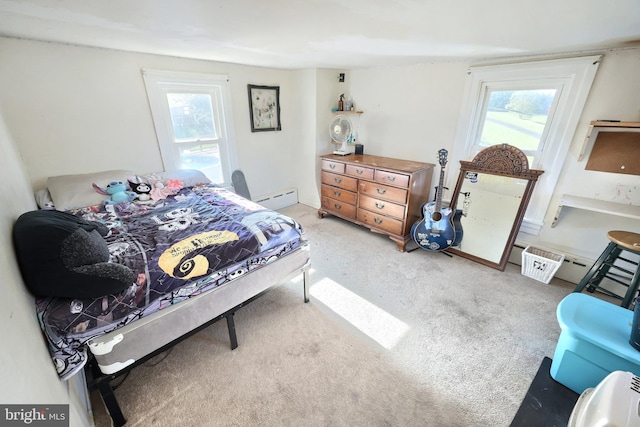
[179, 247]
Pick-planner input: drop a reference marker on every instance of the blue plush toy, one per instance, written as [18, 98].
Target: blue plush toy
[118, 192]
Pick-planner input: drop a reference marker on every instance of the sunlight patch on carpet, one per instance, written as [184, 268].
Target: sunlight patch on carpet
[379, 325]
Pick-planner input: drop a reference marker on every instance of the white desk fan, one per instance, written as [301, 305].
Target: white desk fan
[341, 131]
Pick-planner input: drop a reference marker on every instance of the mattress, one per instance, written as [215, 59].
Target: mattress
[124, 346]
[200, 239]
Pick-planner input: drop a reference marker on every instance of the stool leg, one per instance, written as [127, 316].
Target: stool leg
[595, 269]
[633, 289]
[604, 269]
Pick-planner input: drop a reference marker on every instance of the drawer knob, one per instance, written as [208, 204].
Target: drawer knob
[332, 166]
[391, 178]
[337, 206]
[337, 193]
[381, 190]
[377, 220]
[379, 205]
[338, 180]
[359, 171]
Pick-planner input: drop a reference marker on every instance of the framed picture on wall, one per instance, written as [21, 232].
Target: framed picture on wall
[264, 108]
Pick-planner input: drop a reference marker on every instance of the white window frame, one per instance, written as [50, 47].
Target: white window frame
[572, 77]
[159, 82]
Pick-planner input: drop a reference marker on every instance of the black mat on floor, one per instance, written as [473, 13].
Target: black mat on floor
[547, 403]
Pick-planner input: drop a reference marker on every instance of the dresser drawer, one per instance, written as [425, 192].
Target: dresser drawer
[341, 181]
[395, 179]
[379, 221]
[339, 194]
[383, 207]
[339, 207]
[385, 192]
[359, 171]
[328, 165]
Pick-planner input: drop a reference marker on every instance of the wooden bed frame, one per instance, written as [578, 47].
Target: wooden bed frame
[121, 350]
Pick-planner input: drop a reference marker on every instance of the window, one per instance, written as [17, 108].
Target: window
[534, 106]
[192, 117]
[519, 117]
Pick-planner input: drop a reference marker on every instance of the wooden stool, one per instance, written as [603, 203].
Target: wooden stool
[620, 241]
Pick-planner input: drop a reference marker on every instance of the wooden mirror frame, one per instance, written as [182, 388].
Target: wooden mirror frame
[502, 160]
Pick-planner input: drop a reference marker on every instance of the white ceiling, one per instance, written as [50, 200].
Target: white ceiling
[345, 34]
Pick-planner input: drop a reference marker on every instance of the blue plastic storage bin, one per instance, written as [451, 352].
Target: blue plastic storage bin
[593, 343]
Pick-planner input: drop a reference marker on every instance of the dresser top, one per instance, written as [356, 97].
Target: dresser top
[407, 166]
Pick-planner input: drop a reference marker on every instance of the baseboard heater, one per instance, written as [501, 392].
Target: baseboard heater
[278, 200]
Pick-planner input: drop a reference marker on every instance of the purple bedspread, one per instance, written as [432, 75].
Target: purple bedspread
[179, 247]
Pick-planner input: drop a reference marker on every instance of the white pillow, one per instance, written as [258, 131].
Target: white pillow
[76, 191]
[43, 199]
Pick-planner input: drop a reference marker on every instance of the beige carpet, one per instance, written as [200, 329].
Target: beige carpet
[388, 339]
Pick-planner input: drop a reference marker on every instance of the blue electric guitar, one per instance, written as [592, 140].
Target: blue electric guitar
[435, 231]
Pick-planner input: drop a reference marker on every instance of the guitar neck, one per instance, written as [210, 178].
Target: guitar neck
[439, 190]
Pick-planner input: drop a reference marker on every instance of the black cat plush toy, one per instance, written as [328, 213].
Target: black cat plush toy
[142, 189]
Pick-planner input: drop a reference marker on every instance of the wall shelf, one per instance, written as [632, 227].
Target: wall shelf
[596, 127]
[347, 112]
[594, 205]
[605, 124]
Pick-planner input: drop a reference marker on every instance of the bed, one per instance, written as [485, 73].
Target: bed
[199, 254]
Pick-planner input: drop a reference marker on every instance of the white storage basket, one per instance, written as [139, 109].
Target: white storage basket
[540, 264]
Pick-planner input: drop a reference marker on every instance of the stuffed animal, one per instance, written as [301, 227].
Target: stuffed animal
[61, 255]
[118, 192]
[142, 190]
[160, 191]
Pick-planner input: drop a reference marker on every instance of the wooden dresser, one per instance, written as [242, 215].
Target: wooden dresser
[380, 193]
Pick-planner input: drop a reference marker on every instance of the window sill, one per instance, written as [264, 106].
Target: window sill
[531, 227]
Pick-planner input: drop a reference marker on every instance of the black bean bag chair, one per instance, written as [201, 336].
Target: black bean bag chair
[61, 255]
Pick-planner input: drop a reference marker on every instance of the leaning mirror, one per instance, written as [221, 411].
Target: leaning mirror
[490, 199]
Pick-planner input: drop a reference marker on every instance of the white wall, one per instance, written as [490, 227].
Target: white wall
[409, 112]
[304, 153]
[76, 109]
[27, 372]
